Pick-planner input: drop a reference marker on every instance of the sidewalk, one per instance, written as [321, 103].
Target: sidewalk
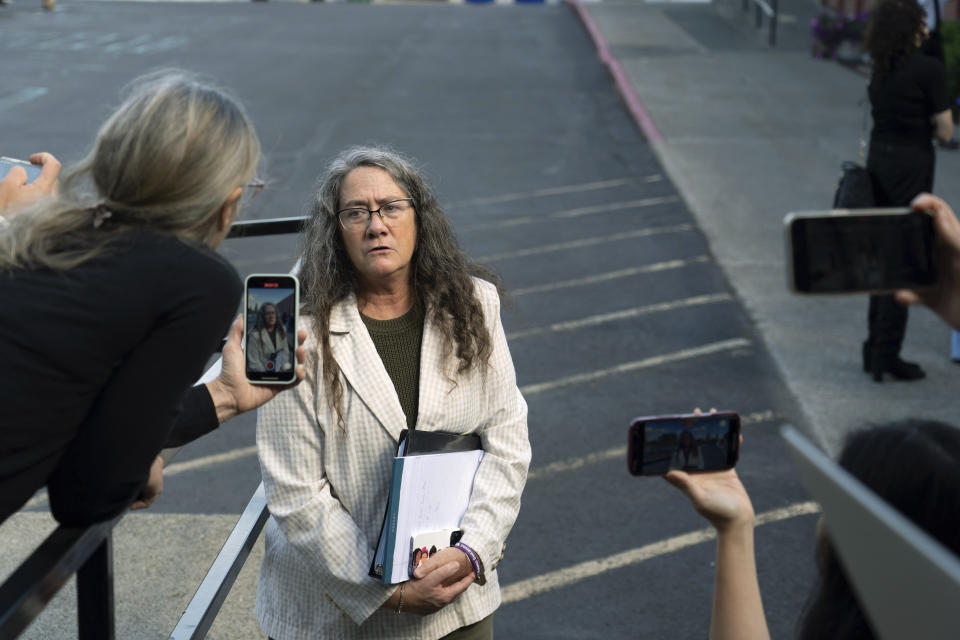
[750, 133]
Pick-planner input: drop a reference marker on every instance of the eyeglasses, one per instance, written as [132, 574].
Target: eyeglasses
[359, 217]
[252, 189]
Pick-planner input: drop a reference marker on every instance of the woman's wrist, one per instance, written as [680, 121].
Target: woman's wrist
[224, 401]
[393, 601]
[738, 528]
[475, 562]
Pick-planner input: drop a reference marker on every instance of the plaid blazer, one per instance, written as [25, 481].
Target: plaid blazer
[327, 485]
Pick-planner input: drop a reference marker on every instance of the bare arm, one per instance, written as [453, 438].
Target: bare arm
[737, 605]
[943, 125]
[720, 498]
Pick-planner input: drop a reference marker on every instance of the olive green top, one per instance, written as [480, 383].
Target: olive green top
[398, 344]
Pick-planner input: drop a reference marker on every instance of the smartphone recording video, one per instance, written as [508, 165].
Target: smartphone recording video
[33, 171]
[272, 303]
[860, 251]
[688, 442]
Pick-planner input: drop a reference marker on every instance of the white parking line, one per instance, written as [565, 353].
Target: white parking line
[38, 499]
[175, 468]
[572, 188]
[574, 213]
[588, 242]
[571, 575]
[217, 458]
[614, 206]
[610, 275]
[757, 417]
[602, 318]
[646, 363]
[570, 464]
[24, 95]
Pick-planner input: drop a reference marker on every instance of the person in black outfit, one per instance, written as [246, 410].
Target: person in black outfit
[909, 105]
[116, 300]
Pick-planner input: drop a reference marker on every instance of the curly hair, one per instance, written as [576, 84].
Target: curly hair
[441, 275]
[892, 34]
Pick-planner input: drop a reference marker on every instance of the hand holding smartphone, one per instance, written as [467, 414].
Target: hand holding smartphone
[944, 298]
[687, 442]
[271, 314]
[860, 251]
[20, 190]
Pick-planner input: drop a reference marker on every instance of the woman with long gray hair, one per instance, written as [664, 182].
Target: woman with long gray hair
[115, 299]
[405, 333]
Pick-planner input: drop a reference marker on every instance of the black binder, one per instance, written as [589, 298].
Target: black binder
[414, 442]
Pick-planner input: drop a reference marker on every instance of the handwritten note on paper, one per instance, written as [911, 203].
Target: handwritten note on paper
[434, 495]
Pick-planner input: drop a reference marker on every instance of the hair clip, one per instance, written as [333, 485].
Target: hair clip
[100, 214]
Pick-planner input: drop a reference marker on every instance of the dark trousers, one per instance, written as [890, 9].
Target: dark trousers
[899, 173]
[887, 321]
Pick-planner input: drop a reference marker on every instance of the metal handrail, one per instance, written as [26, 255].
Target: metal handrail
[272, 227]
[85, 551]
[206, 602]
[771, 10]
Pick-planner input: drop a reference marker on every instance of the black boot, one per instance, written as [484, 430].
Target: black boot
[899, 369]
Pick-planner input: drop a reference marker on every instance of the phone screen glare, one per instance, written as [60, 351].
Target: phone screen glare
[863, 253]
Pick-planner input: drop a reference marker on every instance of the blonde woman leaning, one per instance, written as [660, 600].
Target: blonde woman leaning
[114, 299]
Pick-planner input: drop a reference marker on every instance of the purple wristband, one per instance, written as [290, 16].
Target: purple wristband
[472, 555]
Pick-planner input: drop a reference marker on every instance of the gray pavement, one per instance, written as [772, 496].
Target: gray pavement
[749, 134]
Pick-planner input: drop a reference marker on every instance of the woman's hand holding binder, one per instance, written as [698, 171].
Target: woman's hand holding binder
[441, 558]
[431, 593]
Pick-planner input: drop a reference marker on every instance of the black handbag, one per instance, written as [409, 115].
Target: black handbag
[855, 190]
